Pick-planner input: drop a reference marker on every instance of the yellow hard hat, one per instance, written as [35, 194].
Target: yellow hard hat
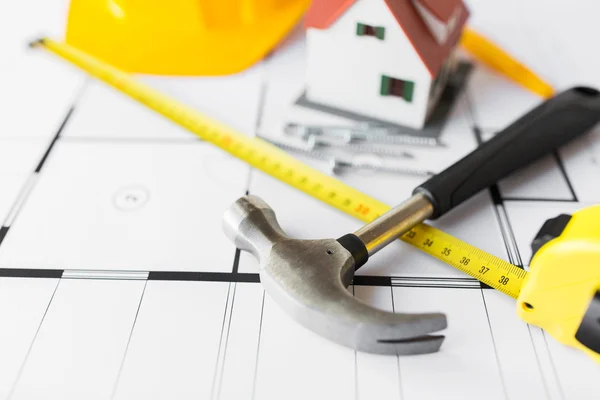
[181, 37]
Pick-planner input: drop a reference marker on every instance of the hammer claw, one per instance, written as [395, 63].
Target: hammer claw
[418, 345]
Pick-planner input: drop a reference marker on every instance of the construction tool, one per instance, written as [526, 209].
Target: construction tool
[285, 168]
[561, 293]
[308, 278]
[181, 37]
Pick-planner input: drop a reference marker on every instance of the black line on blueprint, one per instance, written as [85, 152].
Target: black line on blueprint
[474, 286]
[366, 280]
[496, 196]
[216, 369]
[236, 261]
[229, 277]
[401, 392]
[30, 273]
[3, 232]
[262, 311]
[49, 149]
[22, 367]
[519, 260]
[227, 341]
[137, 313]
[487, 314]
[202, 276]
[552, 364]
[538, 200]
[539, 364]
[433, 278]
[561, 166]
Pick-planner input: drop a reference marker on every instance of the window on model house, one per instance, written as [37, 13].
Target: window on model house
[369, 30]
[397, 87]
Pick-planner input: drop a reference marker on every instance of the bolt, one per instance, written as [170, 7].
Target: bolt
[337, 164]
[363, 132]
[316, 141]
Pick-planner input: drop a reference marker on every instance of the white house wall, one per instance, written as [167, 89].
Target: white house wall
[344, 70]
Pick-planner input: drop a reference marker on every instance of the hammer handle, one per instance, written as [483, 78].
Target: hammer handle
[539, 132]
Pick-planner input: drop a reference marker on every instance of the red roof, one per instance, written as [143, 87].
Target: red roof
[442, 9]
[323, 13]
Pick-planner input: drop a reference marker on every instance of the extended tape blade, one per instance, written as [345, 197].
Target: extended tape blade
[261, 155]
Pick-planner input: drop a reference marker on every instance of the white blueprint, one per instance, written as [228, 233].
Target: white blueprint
[116, 281]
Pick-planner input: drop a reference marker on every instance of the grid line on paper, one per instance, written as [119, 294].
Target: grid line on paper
[223, 338]
[497, 356]
[400, 391]
[120, 371]
[203, 276]
[26, 189]
[512, 237]
[32, 179]
[232, 277]
[262, 311]
[537, 200]
[22, 367]
[222, 372]
[236, 262]
[563, 171]
[553, 365]
[3, 232]
[538, 362]
[54, 140]
[30, 273]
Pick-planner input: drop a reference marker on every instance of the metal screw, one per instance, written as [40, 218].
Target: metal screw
[360, 133]
[317, 141]
[337, 164]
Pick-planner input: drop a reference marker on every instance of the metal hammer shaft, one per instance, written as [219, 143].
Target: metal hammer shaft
[399, 220]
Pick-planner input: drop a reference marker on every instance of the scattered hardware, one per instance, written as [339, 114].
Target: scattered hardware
[364, 132]
[338, 165]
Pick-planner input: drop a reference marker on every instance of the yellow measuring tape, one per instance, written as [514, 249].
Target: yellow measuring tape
[261, 155]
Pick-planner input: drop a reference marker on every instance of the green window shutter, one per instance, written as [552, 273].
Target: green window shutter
[368, 30]
[360, 29]
[408, 90]
[386, 83]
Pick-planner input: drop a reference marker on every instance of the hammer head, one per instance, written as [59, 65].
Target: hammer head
[309, 280]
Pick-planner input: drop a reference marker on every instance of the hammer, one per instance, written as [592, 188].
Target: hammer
[308, 279]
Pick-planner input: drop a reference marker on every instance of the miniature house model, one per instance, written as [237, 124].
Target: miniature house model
[385, 59]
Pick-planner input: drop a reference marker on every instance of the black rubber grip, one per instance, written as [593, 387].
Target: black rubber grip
[356, 247]
[556, 121]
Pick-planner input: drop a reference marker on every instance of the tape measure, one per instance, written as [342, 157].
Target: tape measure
[261, 155]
